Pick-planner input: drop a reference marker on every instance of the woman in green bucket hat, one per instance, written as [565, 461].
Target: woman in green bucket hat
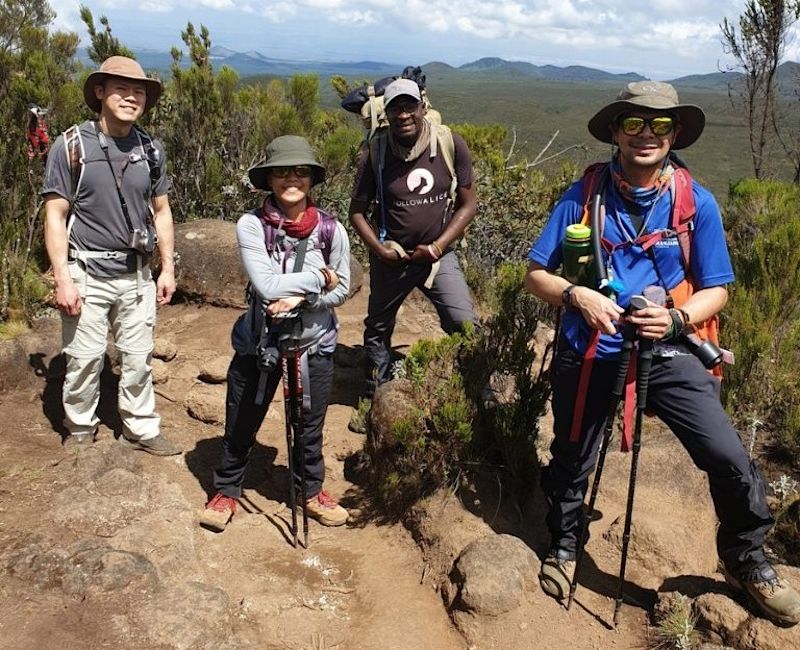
[297, 259]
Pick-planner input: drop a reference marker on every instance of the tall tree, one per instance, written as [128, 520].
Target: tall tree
[35, 71]
[758, 45]
[103, 43]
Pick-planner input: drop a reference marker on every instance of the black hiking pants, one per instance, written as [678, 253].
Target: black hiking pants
[243, 418]
[686, 398]
[390, 285]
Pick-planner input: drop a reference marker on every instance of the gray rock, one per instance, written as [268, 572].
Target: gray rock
[164, 349]
[160, 372]
[215, 370]
[25, 360]
[208, 267]
[392, 402]
[187, 616]
[89, 566]
[206, 402]
[494, 574]
[356, 277]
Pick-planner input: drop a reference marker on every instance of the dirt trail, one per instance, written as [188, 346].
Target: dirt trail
[354, 588]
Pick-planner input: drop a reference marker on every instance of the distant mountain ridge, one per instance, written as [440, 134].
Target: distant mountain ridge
[254, 63]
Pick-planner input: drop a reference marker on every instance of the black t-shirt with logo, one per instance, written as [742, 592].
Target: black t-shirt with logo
[415, 192]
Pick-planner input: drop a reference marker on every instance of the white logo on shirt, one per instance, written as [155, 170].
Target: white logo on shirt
[420, 181]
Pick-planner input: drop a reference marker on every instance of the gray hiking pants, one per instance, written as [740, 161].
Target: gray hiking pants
[686, 398]
[390, 286]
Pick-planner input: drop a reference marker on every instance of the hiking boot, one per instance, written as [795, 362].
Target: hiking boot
[326, 510]
[772, 594]
[78, 441]
[557, 572]
[158, 445]
[219, 511]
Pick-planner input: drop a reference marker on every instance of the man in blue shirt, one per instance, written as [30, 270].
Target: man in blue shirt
[641, 248]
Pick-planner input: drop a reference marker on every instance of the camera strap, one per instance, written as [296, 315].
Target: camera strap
[101, 138]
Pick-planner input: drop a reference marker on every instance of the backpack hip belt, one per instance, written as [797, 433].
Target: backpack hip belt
[84, 256]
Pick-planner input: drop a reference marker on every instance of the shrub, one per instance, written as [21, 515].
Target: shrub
[761, 321]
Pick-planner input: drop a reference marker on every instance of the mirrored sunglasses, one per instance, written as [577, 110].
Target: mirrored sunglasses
[660, 126]
[301, 171]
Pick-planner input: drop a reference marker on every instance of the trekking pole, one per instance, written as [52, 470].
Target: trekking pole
[287, 409]
[299, 436]
[628, 334]
[642, 376]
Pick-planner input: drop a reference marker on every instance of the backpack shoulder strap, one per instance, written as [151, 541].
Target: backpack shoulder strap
[327, 228]
[270, 232]
[683, 212]
[443, 141]
[75, 152]
[378, 143]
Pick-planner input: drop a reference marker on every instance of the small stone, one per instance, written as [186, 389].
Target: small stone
[164, 349]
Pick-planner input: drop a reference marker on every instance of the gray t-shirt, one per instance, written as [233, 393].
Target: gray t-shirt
[99, 223]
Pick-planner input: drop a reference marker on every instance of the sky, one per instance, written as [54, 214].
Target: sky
[661, 40]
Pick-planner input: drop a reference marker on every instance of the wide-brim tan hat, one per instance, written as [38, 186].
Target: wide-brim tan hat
[653, 95]
[286, 151]
[120, 66]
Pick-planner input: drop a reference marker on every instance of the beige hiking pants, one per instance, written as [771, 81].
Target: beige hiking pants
[128, 304]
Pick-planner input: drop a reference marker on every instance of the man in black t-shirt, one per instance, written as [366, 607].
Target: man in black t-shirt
[418, 219]
[105, 199]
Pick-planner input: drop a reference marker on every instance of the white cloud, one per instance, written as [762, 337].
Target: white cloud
[680, 35]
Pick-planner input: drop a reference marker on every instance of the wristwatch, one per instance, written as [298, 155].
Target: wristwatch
[566, 296]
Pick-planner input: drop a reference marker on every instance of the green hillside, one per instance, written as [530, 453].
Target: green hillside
[537, 108]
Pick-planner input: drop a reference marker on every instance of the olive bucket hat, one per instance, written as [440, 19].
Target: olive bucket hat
[120, 66]
[286, 151]
[653, 95]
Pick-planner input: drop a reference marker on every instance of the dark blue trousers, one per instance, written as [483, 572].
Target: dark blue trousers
[686, 398]
[243, 418]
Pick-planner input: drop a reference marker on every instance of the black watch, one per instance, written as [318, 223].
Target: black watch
[566, 296]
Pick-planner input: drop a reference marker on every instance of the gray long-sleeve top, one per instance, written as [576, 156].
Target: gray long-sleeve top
[272, 278]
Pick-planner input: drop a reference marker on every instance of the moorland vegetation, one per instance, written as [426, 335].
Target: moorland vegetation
[215, 125]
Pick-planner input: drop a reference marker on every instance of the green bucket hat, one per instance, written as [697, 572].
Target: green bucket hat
[286, 151]
[655, 95]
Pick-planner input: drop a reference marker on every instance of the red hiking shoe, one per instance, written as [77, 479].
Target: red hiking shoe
[219, 511]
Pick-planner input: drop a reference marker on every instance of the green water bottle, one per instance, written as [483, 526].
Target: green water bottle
[578, 258]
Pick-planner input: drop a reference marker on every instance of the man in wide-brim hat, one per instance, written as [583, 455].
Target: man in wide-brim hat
[662, 235]
[106, 205]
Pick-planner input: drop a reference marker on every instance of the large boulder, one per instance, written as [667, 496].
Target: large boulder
[209, 268]
[494, 575]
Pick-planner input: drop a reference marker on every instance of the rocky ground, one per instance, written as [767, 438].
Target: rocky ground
[101, 548]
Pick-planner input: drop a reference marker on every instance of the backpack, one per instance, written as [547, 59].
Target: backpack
[76, 161]
[683, 211]
[367, 102]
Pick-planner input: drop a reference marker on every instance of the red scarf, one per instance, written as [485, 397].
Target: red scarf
[299, 228]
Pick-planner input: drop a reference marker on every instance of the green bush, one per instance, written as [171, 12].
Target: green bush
[429, 445]
[449, 430]
[761, 321]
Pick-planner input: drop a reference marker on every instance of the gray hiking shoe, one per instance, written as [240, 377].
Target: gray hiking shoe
[158, 445]
[556, 575]
[772, 594]
[78, 441]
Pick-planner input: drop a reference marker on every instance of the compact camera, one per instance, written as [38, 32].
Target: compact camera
[143, 241]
